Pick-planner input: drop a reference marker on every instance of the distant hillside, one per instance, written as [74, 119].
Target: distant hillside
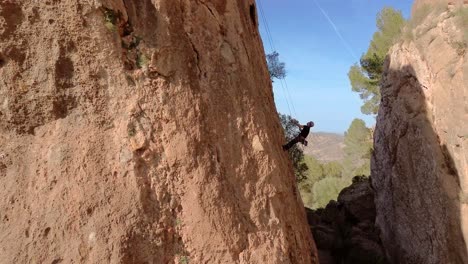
[325, 146]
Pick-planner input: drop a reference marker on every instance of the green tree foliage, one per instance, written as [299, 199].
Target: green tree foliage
[365, 77]
[363, 170]
[325, 181]
[276, 68]
[462, 17]
[358, 149]
[332, 169]
[327, 189]
[390, 23]
[317, 172]
[295, 153]
[314, 174]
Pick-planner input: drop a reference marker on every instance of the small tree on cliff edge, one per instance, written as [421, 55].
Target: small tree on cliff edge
[365, 77]
[295, 153]
[276, 68]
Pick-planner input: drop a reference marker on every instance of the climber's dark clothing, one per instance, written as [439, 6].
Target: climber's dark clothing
[294, 141]
[300, 138]
[305, 131]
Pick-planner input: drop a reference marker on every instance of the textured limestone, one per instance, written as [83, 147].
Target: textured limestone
[420, 161]
[418, 4]
[142, 132]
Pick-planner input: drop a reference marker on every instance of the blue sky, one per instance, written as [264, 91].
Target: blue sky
[317, 59]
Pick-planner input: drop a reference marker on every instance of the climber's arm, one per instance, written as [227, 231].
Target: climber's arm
[295, 122]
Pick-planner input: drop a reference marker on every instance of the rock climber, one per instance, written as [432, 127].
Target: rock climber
[305, 129]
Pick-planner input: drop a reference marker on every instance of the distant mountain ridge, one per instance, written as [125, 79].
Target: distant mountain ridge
[325, 146]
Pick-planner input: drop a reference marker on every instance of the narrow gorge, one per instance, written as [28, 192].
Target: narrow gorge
[413, 209]
[146, 132]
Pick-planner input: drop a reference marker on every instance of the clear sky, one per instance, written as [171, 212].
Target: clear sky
[318, 58]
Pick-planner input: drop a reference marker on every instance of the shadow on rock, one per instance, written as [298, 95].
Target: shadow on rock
[414, 173]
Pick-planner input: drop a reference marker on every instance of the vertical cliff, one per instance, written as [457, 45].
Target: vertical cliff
[420, 161]
[142, 131]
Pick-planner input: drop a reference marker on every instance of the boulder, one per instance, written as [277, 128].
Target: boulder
[358, 201]
[344, 231]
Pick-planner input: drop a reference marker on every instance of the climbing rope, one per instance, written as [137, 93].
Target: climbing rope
[283, 83]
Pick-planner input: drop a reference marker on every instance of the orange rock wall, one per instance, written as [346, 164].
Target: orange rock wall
[139, 131]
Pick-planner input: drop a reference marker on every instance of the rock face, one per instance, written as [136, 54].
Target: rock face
[142, 131]
[344, 231]
[430, 4]
[420, 166]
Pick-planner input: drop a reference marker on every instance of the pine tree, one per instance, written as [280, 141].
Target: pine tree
[365, 77]
[358, 148]
[327, 189]
[317, 172]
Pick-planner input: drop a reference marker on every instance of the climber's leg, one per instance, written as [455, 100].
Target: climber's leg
[302, 140]
[291, 143]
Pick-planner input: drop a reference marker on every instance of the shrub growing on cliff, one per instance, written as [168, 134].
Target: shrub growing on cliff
[110, 19]
[365, 76]
[462, 18]
[183, 260]
[142, 60]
